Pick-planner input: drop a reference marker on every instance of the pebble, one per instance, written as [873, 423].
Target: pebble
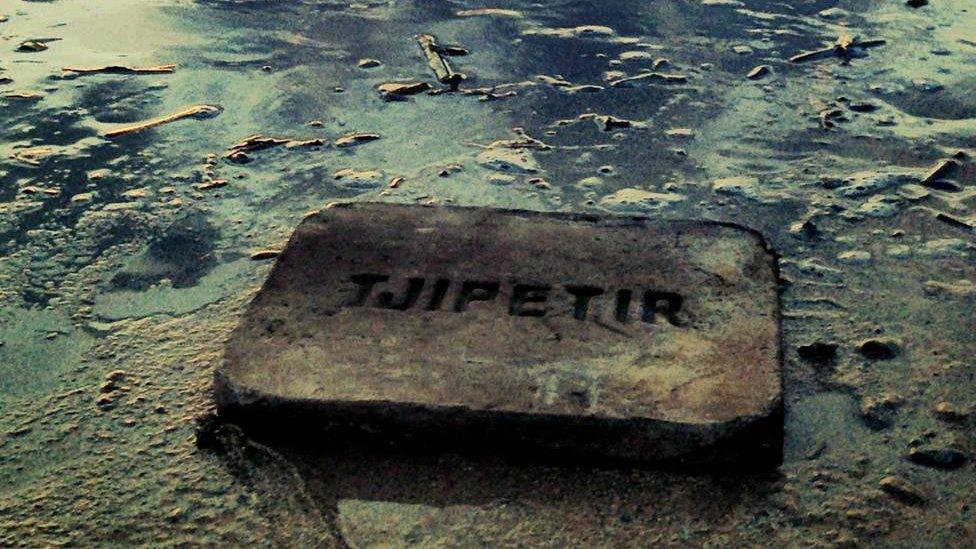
[758, 72]
[680, 132]
[636, 56]
[943, 457]
[902, 491]
[854, 256]
[948, 412]
[818, 352]
[583, 31]
[629, 200]
[881, 348]
[352, 139]
[878, 412]
[508, 160]
[833, 13]
[740, 185]
[359, 179]
[367, 63]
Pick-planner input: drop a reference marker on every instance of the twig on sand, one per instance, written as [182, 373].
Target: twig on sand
[120, 69]
[196, 111]
[846, 48]
[442, 69]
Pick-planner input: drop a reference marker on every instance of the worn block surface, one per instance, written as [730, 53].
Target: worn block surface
[603, 337]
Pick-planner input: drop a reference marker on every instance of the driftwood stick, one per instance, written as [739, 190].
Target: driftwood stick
[442, 69]
[196, 111]
[119, 69]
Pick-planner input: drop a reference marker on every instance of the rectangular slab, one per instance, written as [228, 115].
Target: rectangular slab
[609, 338]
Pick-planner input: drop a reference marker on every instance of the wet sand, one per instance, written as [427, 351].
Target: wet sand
[125, 258]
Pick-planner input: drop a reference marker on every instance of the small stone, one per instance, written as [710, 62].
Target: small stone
[508, 160]
[878, 412]
[359, 179]
[367, 63]
[637, 200]
[818, 352]
[742, 49]
[31, 46]
[833, 13]
[944, 457]
[854, 256]
[882, 348]
[741, 185]
[611, 122]
[758, 72]
[355, 138]
[680, 133]
[948, 412]
[636, 56]
[397, 90]
[902, 491]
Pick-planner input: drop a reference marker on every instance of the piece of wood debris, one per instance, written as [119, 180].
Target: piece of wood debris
[368, 63]
[212, 184]
[652, 76]
[299, 143]
[30, 95]
[237, 152]
[121, 69]
[490, 12]
[260, 255]
[393, 91]
[33, 156]
[355, 138]
[524, 141]
[435, 60]
[196, 111]
[610, 122]
[846, 48]
[394, 182]
[492, 93]
[759, 72]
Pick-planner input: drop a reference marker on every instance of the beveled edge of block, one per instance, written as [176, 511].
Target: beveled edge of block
[753, 442]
